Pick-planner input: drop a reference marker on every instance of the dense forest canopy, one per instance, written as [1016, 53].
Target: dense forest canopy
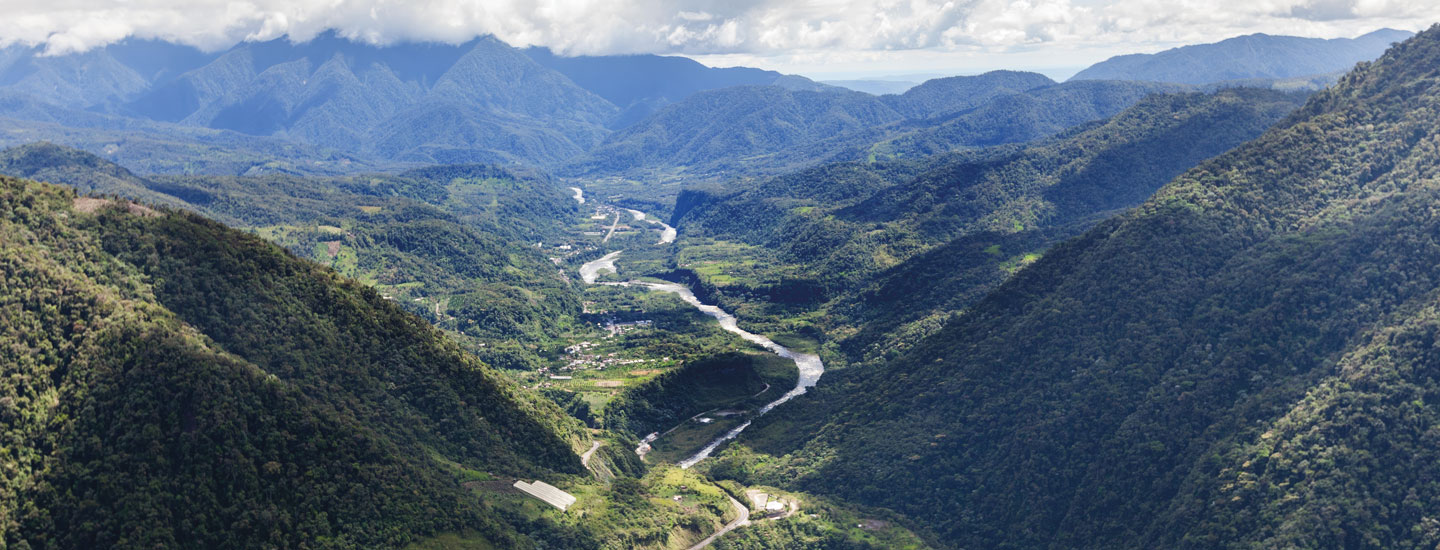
[1242, 361]
[176, 383]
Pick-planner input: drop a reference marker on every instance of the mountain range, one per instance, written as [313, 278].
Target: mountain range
[1249, 57]
[329, 299]
[752, 128]
[1244, 360]
[331, 105]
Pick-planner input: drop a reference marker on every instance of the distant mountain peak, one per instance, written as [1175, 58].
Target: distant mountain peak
[1246, 57]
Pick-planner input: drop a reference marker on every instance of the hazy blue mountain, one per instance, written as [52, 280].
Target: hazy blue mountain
[737, 122]
[874, 87]
[1255, 56]
[161, 147]
[414, 102]
[87, 173]
[96, 78]
[943, 96]
[641, 84]
[768, 129]
[429, 102]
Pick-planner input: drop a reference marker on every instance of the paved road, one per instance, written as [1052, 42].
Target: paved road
[585, 458]
[613, 225]
[740, 521]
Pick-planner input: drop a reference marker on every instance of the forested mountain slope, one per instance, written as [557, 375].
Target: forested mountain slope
[161, 147]
[1246, 360]
[768, 129]
[895, 242]
[641, 84]
[457, 237]
[478, 101]
[173, 383]
[107, 75]
[943, 96]
[1254, 56]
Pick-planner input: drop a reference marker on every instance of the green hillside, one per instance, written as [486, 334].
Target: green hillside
[450, 244]
[177, 384]
[889, 242]
[718, 134]
[1243, 361]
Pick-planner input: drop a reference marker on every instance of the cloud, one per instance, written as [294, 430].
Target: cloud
[703, 27]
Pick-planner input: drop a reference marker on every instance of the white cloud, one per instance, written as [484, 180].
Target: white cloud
[739, 29]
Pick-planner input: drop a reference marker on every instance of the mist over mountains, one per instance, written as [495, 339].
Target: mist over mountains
[335, 105]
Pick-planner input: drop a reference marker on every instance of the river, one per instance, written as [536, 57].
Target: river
[808, 364]
[667, 233]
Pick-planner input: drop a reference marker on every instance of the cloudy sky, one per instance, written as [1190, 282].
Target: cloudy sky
[818, 38]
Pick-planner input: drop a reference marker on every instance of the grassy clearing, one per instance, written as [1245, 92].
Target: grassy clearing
[726, 263]
[802, 343]
[689, 438]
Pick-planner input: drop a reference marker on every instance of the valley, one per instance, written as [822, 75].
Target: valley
[345, 292]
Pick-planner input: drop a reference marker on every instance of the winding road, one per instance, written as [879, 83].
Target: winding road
[585, 458]
[741, 520]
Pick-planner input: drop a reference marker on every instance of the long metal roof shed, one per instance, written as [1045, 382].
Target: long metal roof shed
[548, 493]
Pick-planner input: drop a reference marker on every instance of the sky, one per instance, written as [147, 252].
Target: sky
[825, 39]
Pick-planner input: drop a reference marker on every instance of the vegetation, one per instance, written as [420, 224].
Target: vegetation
[150, 351]
[734, 380]
[1018, 359]
[1255, 56]
[443, 242]
[1239, 362]
[888, 249]
[755, 129]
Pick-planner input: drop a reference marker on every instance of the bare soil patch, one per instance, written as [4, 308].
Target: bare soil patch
[90, 205]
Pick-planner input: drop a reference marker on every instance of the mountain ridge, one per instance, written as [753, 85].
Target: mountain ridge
[1209, 370]
[1248, 57]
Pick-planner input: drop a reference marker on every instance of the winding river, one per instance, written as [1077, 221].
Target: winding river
[809, 365]
[667, 233]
